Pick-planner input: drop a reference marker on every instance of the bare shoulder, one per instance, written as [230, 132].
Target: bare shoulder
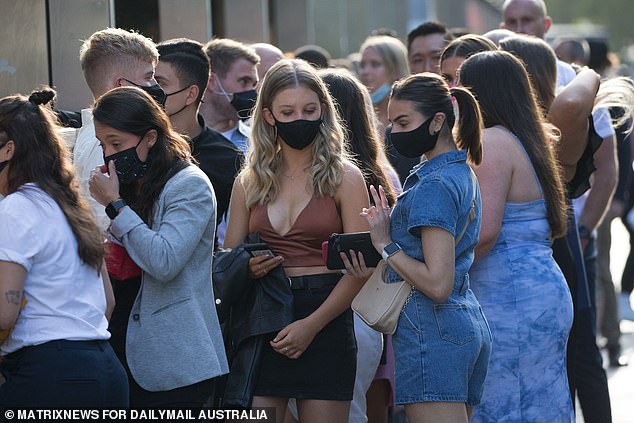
[352, 182]
[497, 135]
[352, 174]
[499, 144]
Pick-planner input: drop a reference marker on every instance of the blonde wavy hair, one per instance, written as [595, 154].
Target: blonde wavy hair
[259, 176]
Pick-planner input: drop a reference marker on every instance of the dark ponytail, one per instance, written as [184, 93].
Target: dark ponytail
[469, 134]
[431, 94]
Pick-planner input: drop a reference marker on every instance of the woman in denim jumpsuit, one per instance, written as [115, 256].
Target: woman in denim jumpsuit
[442, 342]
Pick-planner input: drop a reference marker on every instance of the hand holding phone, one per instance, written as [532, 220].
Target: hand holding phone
[262, 260]
[358, 241]
[259, 249]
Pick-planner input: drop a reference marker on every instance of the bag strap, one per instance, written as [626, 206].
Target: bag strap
[473, 207]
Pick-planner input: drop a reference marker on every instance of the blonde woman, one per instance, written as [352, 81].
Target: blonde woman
[383, 61]
[297, 188]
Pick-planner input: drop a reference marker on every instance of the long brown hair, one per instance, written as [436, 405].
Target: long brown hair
[42, 158]
[502, 87]
[132, 110]
[353, 103]
[541, 65]
[431, 94]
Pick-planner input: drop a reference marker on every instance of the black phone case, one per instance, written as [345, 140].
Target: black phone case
[257, 247]
[357, 241]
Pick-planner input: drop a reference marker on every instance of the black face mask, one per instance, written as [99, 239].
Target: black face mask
[129, 167]
[416, 142]
[244, 102]
[176, 92]
[155, 91]
[299, 133]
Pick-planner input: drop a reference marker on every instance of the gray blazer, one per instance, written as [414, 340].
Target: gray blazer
[174, 337]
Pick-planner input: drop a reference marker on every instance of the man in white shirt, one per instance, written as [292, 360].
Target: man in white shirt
[110, 58]
[230, 93]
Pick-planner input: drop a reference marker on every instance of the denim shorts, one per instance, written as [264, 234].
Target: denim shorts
[442, 350]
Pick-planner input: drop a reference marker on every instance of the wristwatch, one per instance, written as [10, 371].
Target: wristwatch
[584, 232]
[389, 250]
[113, 207]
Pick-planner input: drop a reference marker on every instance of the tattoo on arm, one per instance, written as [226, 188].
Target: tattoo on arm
[13, 296]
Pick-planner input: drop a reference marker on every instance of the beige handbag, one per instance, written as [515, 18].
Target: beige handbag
[379, 304]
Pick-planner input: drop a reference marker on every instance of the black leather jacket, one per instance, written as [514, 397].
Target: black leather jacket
[250, 309]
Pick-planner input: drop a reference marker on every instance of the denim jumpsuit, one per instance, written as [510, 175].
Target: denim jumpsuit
[441, 350]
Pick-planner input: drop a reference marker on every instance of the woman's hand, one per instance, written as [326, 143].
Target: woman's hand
[259, 266]
[378, 217]
[104, 189]
[293, 340]
[356, 267]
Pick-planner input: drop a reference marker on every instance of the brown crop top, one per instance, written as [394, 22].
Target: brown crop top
[301, 245]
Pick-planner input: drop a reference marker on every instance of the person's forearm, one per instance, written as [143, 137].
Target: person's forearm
[604, 183]
[437, 287]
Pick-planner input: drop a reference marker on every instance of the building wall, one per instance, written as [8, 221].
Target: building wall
[23, 46]
[32, 54]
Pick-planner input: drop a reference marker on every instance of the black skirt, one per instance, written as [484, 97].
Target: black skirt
[327, 369]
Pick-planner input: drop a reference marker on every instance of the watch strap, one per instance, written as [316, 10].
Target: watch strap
[112, 209]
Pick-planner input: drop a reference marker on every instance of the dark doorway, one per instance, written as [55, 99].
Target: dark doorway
[138, 15]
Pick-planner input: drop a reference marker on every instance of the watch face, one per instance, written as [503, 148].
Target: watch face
[392, 248]
[112, 209]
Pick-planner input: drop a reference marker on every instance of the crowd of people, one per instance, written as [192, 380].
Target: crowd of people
[486, 169]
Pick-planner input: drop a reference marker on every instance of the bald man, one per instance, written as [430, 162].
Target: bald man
[530, 17]
[526, 17]
[269, 55]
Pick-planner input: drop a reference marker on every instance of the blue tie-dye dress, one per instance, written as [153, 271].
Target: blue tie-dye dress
[527, 303]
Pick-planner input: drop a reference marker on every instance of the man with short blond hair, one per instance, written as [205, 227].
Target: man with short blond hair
[230, 93]
[112, 54]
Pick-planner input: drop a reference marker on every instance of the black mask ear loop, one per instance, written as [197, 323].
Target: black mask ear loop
[177, 92]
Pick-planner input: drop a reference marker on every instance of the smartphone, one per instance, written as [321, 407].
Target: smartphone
[357, 241]
[259, 249]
